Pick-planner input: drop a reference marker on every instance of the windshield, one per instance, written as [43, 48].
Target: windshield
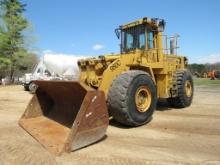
[133, 38]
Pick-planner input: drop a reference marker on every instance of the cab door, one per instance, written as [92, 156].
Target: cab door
[151, 47]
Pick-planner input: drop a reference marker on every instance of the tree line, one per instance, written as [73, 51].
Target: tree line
[15, 58]
[203, 68]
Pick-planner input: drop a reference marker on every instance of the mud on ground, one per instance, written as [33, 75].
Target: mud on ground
[174, 136]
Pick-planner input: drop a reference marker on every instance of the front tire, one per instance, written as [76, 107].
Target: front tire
[132, 98]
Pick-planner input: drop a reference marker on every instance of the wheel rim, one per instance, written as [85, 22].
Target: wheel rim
[32, 87]
[188, 88]
[143, 98]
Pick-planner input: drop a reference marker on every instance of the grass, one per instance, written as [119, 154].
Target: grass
[206, 82]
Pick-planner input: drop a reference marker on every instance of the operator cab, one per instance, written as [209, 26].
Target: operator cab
[139, 34]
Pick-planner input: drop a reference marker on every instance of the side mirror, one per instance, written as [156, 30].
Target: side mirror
[161, 25]
[117, 32]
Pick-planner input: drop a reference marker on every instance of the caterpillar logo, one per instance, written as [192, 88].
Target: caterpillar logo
[115, 65]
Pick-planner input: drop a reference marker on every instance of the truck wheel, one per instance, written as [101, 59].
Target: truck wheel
[26, 87]
[132, 98]
[32, 87]
[185, 90]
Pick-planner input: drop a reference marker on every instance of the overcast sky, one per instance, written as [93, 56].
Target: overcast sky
[87, 27]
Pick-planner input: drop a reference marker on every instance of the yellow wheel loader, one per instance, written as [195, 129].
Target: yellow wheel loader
[65, 115]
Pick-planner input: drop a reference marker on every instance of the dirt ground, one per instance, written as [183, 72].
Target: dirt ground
[174, 136]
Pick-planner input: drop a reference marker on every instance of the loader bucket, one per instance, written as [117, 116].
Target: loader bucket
[65, 116]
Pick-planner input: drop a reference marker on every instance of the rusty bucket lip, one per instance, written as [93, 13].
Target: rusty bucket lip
[55, 81]
[32, 127]
[39, 82]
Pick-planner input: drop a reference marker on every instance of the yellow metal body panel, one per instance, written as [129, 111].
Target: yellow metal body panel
[101, 73]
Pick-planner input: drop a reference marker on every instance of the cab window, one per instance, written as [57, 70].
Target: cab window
[130, 41]
[150, 37]
[133, 38]
[141, 41]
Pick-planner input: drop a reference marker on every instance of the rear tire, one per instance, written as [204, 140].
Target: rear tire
[185, 90]
[132, 98]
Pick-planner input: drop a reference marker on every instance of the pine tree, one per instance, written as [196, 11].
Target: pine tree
[12, 25]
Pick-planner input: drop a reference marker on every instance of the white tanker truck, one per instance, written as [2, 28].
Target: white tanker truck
[52, 67]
